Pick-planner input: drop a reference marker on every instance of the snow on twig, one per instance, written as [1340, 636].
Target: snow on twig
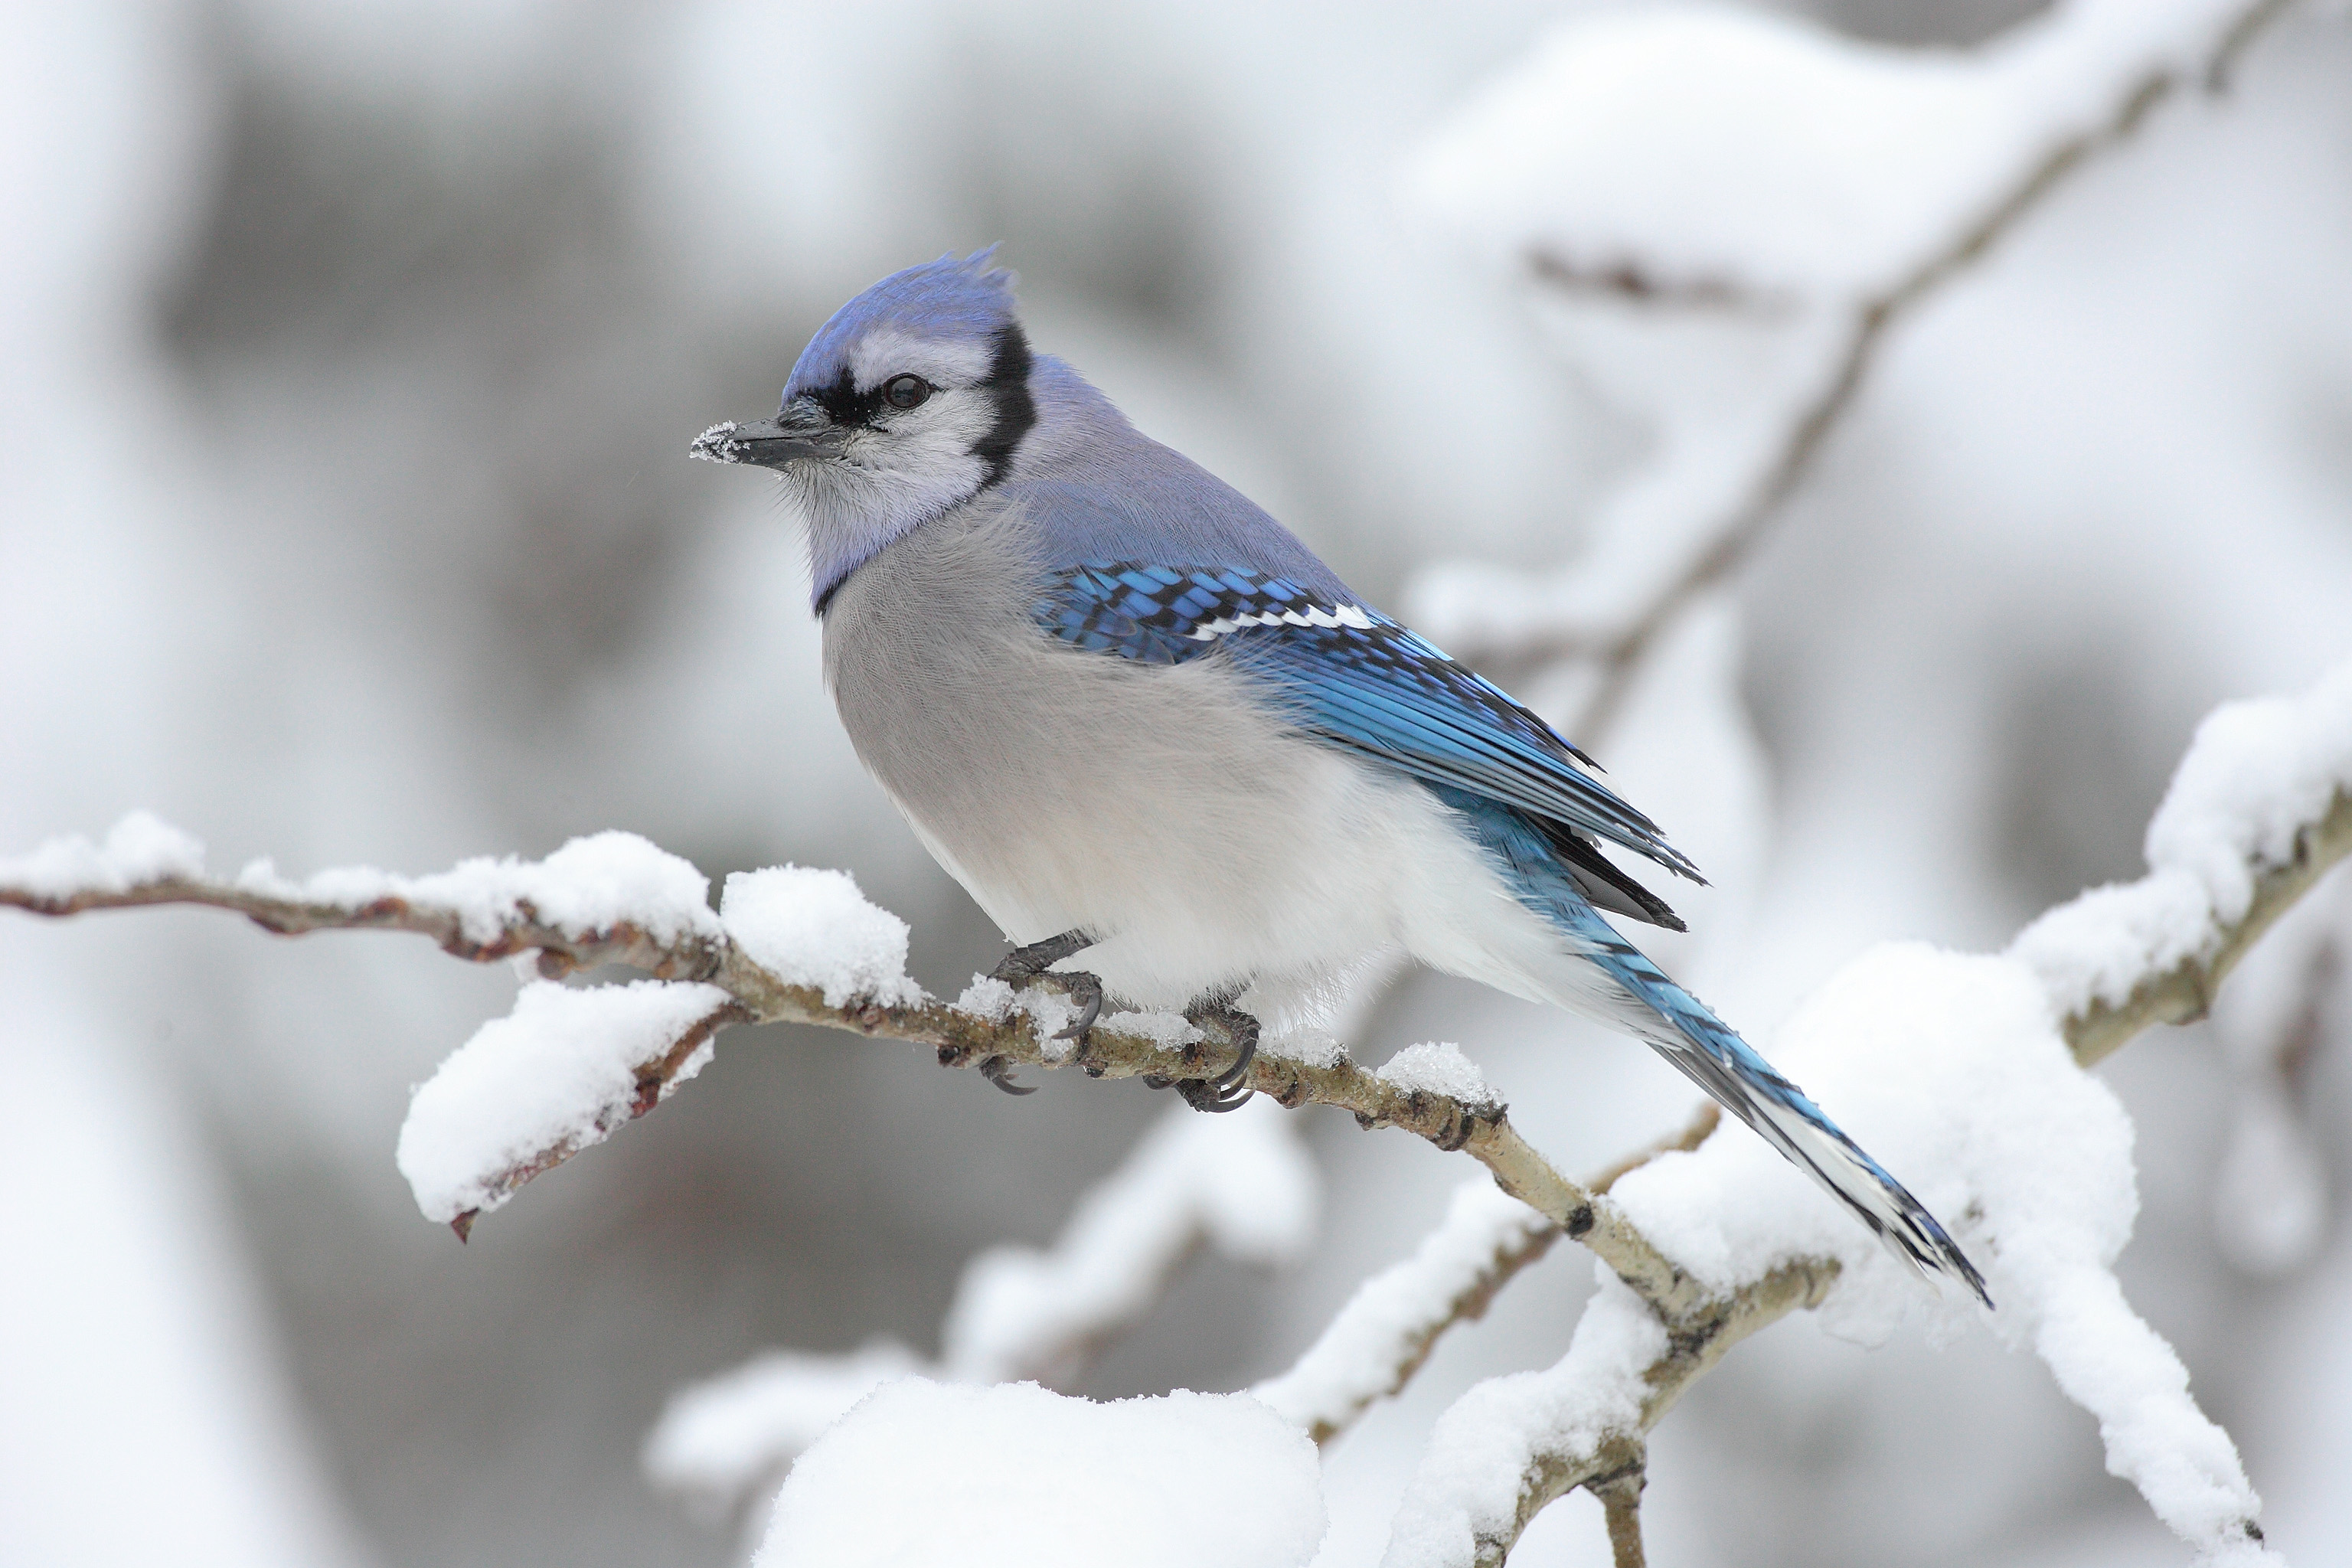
[1394, 1319]
[1797, 195]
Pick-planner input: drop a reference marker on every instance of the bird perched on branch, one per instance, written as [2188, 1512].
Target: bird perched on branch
[1136, 718]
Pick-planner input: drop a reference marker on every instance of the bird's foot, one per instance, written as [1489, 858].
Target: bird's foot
[1027, 966]
[1230, 1089]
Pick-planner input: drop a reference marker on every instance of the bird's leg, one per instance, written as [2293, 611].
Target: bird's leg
[1218, 1094]
[1026, 966]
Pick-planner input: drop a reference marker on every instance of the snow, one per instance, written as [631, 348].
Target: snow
[719, 1439]
[921, 1473]
[591, 884]
[1786, 178]
[1169, 1031]
[812, 927]
[140, 849]
[1050, 1012]
[2256, 771]
[1306, 1045]
[1439, 1067]
[1356, 1358]
[559, 1072]
[1777, 159]
[1239, 1182]
[1949, 1068]
[1468, 1482]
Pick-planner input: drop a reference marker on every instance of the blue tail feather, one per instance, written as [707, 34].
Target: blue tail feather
[1711, 1054]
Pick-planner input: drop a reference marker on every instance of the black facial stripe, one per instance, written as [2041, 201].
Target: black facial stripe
[843, 403]
[1016, 410]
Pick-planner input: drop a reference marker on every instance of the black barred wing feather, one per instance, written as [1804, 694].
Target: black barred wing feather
[1353, 677]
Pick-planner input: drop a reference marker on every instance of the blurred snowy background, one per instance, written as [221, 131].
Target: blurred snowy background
[349, 356]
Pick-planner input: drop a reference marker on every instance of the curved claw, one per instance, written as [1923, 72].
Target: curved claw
[999, 1071]
[1202, 1095]
[1217, 1094]
[1087, 991]
[1235, 1075]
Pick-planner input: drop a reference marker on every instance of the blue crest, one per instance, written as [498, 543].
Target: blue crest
[954, 297]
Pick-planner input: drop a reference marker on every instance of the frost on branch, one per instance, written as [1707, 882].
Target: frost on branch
[561, 1072]
[923, 1473]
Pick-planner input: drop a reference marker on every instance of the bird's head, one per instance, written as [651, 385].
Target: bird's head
[910, 400]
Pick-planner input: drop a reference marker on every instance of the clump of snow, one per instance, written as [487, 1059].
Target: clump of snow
[1309, 1046]
[1170, 1031]
[1439, 1067]
[719, 1439]
[2255, 773]
[987, 997]
[1356, 1358]
[812, 927]
[592, 884]
[922, 1473]
[1468, 1480]
[1240, 1180]
[559, 1072]
[1950, 1070]
[141, 849]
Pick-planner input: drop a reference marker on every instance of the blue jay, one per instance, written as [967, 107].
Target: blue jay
[1135, 718]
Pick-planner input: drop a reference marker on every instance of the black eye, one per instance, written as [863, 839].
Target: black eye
[906, 391]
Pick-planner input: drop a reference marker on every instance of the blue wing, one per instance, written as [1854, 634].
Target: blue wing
[1356, 678]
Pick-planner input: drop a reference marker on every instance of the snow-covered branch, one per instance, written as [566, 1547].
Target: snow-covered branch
[2258, 811]
[789, 945]
[1798, 189]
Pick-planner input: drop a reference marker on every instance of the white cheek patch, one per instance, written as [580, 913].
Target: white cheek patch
[944, 429]
[886, 352]
[1350, 616]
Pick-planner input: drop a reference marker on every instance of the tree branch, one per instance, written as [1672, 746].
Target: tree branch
[1698, 1336]
[960, 1038]
[2184, 992]
[1870, 317]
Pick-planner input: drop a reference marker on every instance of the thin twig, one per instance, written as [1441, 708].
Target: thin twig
[1620, 1492]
